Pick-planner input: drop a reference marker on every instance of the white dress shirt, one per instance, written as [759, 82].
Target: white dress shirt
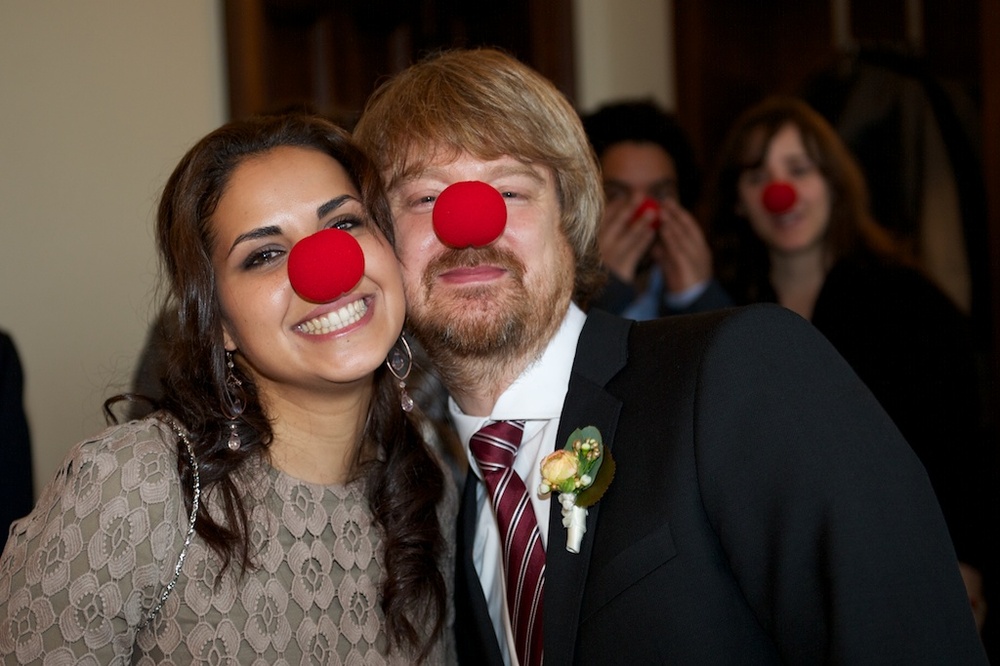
[536, 397]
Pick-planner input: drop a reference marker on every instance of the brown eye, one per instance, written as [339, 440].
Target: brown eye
[614, 193]
[262, 257]
[346, 223]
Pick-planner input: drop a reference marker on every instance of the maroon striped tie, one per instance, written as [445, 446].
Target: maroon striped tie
[494, 447]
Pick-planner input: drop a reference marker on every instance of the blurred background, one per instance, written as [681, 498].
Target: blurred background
[100, 98]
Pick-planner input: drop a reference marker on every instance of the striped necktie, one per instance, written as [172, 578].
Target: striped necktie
[494, 448]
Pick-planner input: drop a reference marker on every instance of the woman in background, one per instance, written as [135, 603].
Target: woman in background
[791, 224]
[281, 507]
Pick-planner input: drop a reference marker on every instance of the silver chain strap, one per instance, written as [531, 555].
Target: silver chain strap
[190, 532]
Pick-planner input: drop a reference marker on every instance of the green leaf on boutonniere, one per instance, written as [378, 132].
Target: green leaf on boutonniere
[590, 495]
[596, 464]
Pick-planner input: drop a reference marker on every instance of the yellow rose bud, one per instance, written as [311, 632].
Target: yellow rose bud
[560, 467]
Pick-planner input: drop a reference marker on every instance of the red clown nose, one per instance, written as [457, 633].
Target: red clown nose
[778, 197]
[469, 214]
[325, 265]
[647, 204]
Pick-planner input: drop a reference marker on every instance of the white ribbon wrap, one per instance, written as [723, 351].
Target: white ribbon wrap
[574, 520]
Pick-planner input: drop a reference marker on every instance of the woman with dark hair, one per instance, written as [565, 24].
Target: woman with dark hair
[281, 506]
[791, 224]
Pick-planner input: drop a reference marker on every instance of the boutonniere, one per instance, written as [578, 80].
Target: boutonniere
[580, 472]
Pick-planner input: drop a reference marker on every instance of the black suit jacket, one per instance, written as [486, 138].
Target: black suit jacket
[764, 510]
[911, 346]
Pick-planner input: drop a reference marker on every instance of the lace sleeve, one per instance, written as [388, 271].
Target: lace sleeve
[81, 571]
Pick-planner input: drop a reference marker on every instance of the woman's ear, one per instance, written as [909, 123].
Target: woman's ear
[227, 340]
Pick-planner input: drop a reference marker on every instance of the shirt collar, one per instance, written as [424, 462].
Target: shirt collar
[539, 391]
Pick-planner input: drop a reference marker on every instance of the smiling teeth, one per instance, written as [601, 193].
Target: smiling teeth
[334, 321]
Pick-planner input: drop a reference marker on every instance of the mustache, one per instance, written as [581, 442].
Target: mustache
[476, 256]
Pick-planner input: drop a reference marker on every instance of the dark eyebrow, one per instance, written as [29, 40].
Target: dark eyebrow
[333, 204]
[264, 232]
[254, 234]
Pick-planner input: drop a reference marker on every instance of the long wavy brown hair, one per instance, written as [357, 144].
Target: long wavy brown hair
[742, 262]
[404, 483]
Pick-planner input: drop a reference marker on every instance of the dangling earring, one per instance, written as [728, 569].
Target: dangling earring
[232, 406]
[400, 362]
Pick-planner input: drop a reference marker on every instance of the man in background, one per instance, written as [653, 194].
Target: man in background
[658, 260]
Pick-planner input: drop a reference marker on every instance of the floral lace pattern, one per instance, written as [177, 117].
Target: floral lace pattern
[80, 572]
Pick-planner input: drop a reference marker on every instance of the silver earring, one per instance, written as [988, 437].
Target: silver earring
[232, 406]
[400, 362]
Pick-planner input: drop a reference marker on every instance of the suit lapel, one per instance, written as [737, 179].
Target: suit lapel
[601, 352]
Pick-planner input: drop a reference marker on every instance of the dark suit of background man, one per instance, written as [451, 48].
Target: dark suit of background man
[16, 495]
[764, 510]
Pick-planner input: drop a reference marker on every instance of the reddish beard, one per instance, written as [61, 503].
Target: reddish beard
[484, 321]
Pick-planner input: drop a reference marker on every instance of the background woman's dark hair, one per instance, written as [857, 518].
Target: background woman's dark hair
[742, 263]
[404, 483]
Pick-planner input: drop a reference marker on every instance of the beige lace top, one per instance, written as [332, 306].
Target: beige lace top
[82, 571]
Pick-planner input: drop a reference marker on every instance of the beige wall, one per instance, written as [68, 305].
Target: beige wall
[623, 50]
[99, 100]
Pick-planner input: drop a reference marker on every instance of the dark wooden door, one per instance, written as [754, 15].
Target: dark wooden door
[328, 55]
